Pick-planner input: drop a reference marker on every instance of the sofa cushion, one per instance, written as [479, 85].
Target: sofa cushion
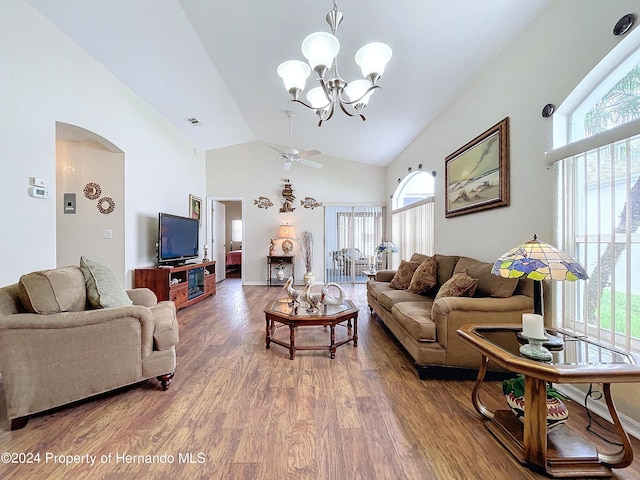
[374, 288]
[389, 298]
[459, 285]
[53, 291]
[403, 276]
[415, 317]
[103, 288]
[446, 264]
[425, 277]
[419, 257]
[489, 285]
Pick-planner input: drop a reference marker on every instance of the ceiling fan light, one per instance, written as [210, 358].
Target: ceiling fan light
[372, 59]
[320, 48]
[318, 99]
[357, 89]
[294, 74]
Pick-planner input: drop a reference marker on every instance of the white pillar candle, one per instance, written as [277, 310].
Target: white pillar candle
[533, 326]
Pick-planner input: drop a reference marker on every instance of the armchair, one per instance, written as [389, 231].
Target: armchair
[55, 350]
[354, 263]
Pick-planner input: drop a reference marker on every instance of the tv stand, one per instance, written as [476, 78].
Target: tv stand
[184, 285]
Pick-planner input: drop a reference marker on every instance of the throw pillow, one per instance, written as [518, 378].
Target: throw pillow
[404, 274]
[460, 285]
[425, 276]
[103, 288]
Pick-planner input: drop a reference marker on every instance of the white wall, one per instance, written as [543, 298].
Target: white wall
[44, 78]
[252, 170]
[542, 66]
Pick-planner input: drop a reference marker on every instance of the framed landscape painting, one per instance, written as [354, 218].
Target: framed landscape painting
[195, 208]
[477, 174]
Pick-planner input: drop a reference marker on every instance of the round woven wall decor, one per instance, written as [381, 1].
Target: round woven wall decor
[110, 205]
[92, 190]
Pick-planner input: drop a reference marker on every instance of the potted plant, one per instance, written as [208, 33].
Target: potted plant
[306, 245]
[557, 413]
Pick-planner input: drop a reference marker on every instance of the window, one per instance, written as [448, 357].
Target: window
[598, 209]
[413, 216]
[236, 230]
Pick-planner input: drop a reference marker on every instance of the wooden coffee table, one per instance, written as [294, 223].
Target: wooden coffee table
[328, 315]
[575, 360]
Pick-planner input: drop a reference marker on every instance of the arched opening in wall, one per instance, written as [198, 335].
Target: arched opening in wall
[90, 201]
[413, 188]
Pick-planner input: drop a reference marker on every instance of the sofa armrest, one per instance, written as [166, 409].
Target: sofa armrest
[73, 320]
[142, 296]
[385, 275]
[450, 313]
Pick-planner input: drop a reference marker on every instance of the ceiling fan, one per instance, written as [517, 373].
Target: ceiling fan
[291, 154]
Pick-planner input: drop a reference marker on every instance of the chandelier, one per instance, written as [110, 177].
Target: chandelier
[321, 51]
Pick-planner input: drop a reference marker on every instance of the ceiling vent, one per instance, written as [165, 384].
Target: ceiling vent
[193, 121]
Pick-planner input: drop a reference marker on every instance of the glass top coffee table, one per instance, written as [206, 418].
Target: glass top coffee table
[575, 359]
[296, 316]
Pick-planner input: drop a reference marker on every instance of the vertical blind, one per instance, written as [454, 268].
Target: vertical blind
[598, 215]
[412, 230]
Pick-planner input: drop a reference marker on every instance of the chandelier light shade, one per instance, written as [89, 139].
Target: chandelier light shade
[321, 51]
[538, 261]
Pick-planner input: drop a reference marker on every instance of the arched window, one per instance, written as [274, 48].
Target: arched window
[414, 187]
[597, 167]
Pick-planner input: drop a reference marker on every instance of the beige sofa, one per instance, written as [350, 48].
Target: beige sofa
[426, 327]
[55, 348]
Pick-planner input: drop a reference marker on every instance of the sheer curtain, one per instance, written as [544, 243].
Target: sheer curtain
[352, 233]
[412, 230]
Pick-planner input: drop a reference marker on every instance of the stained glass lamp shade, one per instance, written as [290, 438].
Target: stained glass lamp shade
[538, 261]
[386, 248]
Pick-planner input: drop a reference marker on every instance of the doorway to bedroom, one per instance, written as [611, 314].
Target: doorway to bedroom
[233, 238]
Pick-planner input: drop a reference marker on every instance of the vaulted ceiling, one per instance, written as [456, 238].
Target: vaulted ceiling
[216, 61]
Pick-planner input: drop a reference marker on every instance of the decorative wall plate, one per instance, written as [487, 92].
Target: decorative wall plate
[92, 190]
[106, 205]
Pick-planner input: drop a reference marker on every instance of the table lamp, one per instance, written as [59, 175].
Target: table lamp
[287, 232]
[386, 248]
[538, 261]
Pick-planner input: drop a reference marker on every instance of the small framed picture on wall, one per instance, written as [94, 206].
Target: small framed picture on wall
[195, 208]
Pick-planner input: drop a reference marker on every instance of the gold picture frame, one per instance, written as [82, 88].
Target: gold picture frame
[477, 174]
[195, 208]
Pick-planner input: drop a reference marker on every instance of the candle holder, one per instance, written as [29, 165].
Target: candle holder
[535, 350]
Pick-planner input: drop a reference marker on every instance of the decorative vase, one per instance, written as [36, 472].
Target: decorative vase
[280, 272]
[308, 278]
[557, 413]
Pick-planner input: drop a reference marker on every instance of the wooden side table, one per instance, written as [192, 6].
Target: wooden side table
[579, 360]
[285, 261]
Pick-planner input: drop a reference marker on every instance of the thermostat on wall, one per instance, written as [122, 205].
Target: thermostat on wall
[38, 192]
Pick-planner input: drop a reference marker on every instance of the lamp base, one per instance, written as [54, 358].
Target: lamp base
[287, 247]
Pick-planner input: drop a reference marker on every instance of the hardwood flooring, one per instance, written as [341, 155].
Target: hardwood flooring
[238, 411]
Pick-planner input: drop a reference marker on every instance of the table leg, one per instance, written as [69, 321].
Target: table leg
[535, 421]
[267, 337]
[475, 395]
[292, 340]
[332, 347]
[355, 330]
[624, 457]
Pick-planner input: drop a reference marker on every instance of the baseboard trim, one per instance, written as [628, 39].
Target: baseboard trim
[631, 426]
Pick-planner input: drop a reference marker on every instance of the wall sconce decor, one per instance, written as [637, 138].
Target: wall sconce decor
[287, 194]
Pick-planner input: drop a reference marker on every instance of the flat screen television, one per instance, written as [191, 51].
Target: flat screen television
[177, 239]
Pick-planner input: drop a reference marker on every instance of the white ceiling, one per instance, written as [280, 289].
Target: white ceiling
[217, 61]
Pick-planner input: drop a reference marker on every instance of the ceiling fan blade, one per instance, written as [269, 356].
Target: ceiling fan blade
[278, 149]
[310, 163]
[309, 153]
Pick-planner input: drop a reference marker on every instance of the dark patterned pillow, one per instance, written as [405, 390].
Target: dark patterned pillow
[404, 274]
[425, 277]
[460, 285]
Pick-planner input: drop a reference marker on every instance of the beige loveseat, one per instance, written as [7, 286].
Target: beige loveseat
[426, 326]
[55, 348]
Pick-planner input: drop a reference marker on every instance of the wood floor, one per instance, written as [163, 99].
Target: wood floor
[238, 411]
